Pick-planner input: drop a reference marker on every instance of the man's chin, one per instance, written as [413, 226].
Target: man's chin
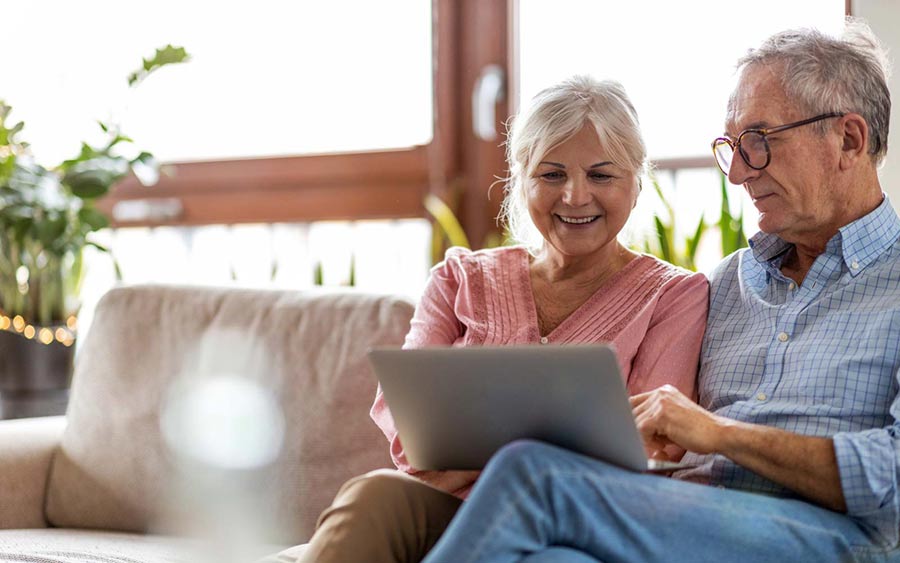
[771, 227]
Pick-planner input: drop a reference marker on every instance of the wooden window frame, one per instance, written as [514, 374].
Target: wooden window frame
[468, 35]
[271, 190]
[455, 165]
[360, 185]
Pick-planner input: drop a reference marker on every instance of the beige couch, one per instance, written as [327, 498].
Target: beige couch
[97, 485]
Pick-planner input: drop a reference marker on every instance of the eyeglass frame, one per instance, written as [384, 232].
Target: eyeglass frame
[763, 132]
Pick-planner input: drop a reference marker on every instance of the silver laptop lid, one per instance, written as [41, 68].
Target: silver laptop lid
[454, 407]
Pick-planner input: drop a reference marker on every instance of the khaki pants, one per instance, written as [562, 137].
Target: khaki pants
[384, 516]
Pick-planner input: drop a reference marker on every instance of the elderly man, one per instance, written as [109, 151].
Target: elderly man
[797, 427]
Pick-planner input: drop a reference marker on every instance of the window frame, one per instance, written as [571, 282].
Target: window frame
[456, 165]
[354, 185]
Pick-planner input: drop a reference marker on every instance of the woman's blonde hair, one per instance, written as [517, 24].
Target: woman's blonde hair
[554, 116]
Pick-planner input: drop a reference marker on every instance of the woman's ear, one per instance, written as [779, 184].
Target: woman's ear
[854, 139]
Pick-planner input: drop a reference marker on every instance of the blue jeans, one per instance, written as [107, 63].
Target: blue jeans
[536, 502]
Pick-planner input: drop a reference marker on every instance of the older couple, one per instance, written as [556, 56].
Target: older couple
[794, 436]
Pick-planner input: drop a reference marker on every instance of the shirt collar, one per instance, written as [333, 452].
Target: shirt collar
[860, 242]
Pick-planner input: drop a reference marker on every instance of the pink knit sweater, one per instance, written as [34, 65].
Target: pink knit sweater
[653, 313]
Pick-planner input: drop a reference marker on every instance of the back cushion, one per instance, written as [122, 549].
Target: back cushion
[113, 466]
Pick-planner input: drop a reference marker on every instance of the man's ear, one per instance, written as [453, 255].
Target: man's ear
[855, 139]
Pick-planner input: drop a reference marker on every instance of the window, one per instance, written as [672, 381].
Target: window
[675, 59]
[271, 78]
[349, 86]
[255, 141]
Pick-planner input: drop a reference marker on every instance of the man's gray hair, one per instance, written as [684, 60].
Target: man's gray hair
[554, 116]
[824, 74]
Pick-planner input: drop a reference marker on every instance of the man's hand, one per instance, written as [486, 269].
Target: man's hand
[666, 417]
[805, 464]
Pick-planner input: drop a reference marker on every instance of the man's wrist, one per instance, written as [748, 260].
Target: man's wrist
[729, 436]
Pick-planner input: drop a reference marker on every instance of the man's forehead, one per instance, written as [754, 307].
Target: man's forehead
[757, 101]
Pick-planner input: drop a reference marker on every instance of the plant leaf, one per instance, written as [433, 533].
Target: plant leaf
[446, 220]
[119, 138]
[351, 280]
[694, 242]
[662, 197]
[318, 276]
[662, 236]
[98, 246]
[93, 218]
[164, 56]
[146, 169]
[731, 228]
[51, 229]
[90, 184]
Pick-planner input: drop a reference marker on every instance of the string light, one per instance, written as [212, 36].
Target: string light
[61, 333]
[45, 335]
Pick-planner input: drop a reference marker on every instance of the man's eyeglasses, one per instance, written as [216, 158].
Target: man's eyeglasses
[753, 146]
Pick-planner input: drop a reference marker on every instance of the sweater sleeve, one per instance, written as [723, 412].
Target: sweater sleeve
[434, 323]
[670, 350]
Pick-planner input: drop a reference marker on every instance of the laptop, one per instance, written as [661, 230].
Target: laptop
[455, 407]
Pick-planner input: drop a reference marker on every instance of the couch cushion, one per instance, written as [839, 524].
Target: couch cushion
[113, 466]
[88, 546]
[26, 452]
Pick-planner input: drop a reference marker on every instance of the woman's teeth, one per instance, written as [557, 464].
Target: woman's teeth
[577, 220]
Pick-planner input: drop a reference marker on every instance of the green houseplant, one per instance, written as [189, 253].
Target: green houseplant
[664, 244]
[47, 216]
[663, 241]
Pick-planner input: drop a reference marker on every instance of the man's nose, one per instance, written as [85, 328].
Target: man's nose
[740, 172]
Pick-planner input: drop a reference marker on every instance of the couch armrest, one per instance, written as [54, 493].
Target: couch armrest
[27, 446]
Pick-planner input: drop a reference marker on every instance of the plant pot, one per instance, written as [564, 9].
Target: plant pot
[34, 377]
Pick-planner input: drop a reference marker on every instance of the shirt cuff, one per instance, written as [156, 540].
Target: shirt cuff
[867, 464]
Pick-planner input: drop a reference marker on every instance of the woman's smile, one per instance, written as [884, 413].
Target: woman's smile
[570, 220]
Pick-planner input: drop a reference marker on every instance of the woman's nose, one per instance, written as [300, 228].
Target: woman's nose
[576, 193]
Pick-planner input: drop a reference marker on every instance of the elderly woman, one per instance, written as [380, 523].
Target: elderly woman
[575, 156]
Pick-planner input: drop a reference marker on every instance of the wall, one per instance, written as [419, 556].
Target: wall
[882, 16]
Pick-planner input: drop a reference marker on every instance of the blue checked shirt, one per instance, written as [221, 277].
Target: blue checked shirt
[820, 359]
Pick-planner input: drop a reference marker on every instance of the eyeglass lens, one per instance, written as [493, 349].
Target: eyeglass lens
[753, 147]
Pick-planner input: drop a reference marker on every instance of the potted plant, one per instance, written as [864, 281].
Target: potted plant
[47, 216]
[662, 242]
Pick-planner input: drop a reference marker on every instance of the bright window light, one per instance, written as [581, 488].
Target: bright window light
[268, 78]
[675, 59]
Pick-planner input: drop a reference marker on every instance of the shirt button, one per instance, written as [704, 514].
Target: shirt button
[544, 340]
[761, 396]
[782, 336]
[854, 265]
[792, 286]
